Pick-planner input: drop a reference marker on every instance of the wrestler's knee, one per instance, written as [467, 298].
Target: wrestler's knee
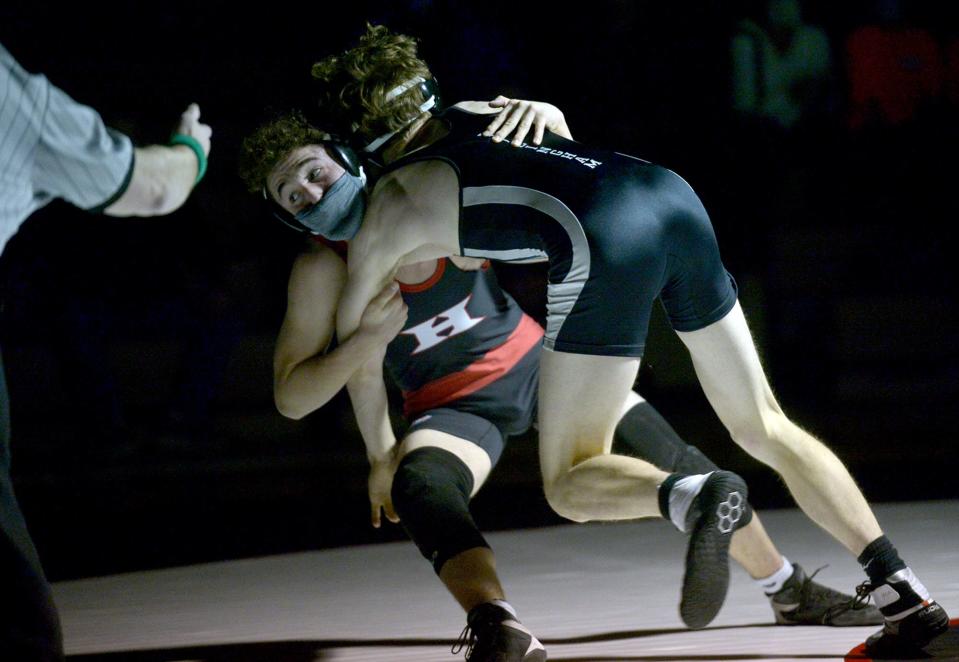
[425, 473]
[766, 437]
[564, 498]
[431, 492]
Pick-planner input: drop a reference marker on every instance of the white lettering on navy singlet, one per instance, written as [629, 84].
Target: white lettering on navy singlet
[540, 149]
[449, 323]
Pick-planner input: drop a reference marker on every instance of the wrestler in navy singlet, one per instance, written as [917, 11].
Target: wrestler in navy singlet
[617, 231]
[467, 348]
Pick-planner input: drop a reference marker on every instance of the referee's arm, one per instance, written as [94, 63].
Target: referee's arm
[163, 177]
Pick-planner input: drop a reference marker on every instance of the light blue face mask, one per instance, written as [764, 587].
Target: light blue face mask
[339, 213]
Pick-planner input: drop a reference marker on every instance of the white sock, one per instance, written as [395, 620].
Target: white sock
[681, 498]
[774, 582]
[505, 605]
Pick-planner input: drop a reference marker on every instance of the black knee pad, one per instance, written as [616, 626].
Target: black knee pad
[431, 494]
[643, 433]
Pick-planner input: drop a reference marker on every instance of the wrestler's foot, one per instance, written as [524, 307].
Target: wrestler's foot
[801, 601]
[719, 510]
[492, 634]
[912, 618]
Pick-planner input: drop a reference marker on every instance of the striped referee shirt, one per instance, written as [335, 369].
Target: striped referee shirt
[53, 147]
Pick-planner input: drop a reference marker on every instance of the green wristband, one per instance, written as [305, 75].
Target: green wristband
[194, 144]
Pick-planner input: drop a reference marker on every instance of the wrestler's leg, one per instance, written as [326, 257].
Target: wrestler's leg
[644, 434]
[438, 518]
[732, 378]
[730, 373]
[580, 400]
[437, 474]
[794, 597]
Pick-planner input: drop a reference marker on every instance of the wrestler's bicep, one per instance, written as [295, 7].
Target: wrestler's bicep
[313, 293]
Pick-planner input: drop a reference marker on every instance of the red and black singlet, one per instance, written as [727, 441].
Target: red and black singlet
[465, 341]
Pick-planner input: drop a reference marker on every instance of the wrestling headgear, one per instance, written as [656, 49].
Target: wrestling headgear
[431, 95]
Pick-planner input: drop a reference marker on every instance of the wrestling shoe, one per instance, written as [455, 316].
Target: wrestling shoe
[912, 618]
[801, 601]
[492, 634]
[719, 509]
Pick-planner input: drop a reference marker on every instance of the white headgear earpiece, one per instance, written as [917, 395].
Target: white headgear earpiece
[392, 94]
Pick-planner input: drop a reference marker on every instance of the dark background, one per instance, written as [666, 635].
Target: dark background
[138, 351]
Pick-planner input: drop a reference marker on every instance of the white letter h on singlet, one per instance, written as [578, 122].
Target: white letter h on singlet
[447, 324]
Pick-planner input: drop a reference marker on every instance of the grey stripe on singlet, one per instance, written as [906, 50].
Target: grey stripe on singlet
[514, 256]
[562, 296]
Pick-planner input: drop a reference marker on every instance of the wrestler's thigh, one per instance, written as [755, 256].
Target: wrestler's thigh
[473, 440]
[729, 370]
[580, 401]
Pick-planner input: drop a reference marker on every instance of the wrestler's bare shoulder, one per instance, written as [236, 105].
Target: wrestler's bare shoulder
[317, 274]
[415, 182]
[318, 262]
[412, 207]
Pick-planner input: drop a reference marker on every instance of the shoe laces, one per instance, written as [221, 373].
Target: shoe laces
[814, 573]
[478, 634]
[858, 601]
[807, 585]
[862, 593]
[467, 639]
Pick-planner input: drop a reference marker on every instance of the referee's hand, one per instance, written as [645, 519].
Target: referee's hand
[190, 125]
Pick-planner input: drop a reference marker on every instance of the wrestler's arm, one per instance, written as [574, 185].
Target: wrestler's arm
[412, 216]
[305, 375]
[365, 385]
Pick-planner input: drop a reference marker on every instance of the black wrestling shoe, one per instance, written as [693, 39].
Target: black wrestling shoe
[801, 601]
[912, 618]
[719, 509]
[492, 634]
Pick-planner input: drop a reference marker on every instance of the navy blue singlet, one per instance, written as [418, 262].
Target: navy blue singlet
[617, 231]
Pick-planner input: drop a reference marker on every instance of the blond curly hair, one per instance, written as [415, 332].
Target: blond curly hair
[353, 87]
